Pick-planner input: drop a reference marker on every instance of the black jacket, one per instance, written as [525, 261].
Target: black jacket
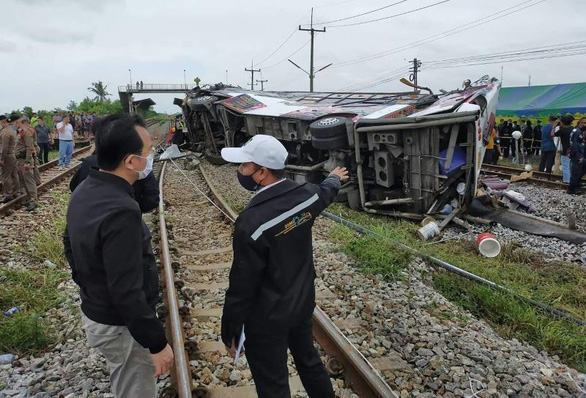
[272, 274]
[108, 247]
[577, 150]
[564, 134]
[146, 191]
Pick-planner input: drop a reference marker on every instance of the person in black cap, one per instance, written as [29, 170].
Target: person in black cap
[8, 139]
[272, 293]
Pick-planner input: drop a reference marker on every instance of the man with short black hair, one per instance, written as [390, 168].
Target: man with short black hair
[272, 292]
[577, 154]
[563, 135]
[43, 140]
[547, 146]
[108, 247]
[65, 131]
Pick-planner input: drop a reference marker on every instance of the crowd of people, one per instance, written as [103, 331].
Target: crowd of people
[25, 144]
[559, 145]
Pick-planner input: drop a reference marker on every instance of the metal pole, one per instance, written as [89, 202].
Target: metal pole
[185, 79]
[311, 31]
[130, 72]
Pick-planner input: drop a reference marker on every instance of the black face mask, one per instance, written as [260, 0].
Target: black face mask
[248, 182]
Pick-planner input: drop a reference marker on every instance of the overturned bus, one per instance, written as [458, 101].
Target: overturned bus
[408, 153]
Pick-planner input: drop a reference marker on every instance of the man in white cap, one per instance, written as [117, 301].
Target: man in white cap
[272, 293]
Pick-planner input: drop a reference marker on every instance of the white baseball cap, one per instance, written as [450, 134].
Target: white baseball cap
[264, 150]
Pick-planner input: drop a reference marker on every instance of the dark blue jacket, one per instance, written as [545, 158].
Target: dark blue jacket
[272, 274]
[546, 138]
[577, 143]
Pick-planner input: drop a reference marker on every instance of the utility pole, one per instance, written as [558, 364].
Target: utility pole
[414, 69]
[262, 86]
[252, 70]
[312, 31]
[529, 84]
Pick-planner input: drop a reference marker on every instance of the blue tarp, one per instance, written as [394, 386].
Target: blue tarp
[542, 100]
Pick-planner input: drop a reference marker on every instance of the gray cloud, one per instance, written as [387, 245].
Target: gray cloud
[52, 35]
[101, 40]
[7, 46]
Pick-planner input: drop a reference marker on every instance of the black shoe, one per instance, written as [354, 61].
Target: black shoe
[31, 206]
[6, 199]
[573, 192]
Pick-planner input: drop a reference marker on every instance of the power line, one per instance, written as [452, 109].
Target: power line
[279, 47]
[390, 16]
[362, 14]
[288, 56]
[535, 53]
[447, 33]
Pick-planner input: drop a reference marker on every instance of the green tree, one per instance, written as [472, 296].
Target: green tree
[72, 106]
[28, 111]
[99, 89]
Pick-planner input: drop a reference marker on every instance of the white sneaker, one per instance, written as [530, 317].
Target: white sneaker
[60, 168]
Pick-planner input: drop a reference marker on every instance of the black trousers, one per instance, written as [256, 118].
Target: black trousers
[508, 146]
[267, 357]
[44, 153]
[577, 171]
[546, 161]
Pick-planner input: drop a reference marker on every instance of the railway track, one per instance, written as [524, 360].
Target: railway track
[195, 226]
[50, 176]
[538, 177]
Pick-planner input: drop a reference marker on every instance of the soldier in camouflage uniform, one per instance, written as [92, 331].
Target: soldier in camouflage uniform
[25, 163]
[8, 159]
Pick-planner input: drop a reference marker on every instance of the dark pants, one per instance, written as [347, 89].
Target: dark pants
[546, 161]
[267, 357]
[577, 171]
[508, 146]
[44, 153]
[488, 156]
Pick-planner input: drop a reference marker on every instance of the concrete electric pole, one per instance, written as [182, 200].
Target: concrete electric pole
[414, 70]
[262, 86]
[312, 31]
[252, 71]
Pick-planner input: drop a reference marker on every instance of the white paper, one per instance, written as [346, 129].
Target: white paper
[240, 345]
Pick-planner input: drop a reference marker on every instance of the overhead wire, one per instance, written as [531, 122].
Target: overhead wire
[534, 53]
[450, 32]
[390, 16]
[289, 56]
[362, 14]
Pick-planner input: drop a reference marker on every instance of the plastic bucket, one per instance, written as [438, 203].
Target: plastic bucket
[488, 246]
[428, 231]
[427, 220]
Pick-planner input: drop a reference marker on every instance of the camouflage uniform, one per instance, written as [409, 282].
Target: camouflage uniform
[10, 183]
[25, 162]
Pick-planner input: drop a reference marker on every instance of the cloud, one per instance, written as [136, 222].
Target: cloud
[7, 46]
[51, 35]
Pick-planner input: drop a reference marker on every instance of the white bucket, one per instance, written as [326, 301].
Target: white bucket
[428, 231]
[488, 246]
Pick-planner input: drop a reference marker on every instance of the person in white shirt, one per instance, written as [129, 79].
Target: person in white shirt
[65, 131]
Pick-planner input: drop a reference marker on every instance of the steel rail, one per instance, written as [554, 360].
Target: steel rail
[504, 173]
[43, 186]
[358, 372]
[182, 373]
[55, 162]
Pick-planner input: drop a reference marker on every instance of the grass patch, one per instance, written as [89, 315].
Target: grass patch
[47, 244]
[559, 284]
[34, 291]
